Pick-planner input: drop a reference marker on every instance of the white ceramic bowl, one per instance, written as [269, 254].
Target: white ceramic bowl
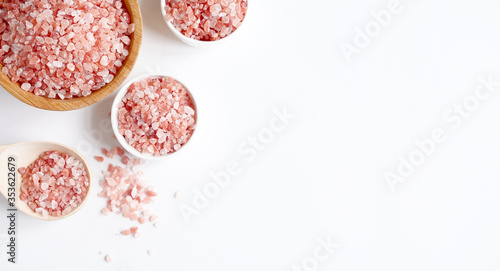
[114, 118]
[199, 43]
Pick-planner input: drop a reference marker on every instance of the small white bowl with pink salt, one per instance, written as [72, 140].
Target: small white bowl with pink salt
[153, 116]
[204, 25]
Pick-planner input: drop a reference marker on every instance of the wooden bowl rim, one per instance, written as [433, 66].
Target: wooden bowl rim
[96, 96]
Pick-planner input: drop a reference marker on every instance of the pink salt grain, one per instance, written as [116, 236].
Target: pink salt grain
[99, 158]
[206, 20]
[126, 192]
[107, 153]
[108, 258]
[55, 184]
[49, 47]
[134, 230]
[156, 116]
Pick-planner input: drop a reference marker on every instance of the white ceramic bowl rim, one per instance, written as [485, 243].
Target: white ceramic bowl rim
[114, 117]
[191, 41]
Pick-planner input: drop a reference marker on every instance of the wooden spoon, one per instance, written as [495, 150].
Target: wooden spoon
[76, 103]
[23, 154]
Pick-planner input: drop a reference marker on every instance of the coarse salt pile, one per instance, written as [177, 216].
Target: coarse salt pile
[55, 184]
[126, 192]
[206, 20]
[63, 49]
[156, 116]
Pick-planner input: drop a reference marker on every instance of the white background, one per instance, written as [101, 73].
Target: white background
[324, 174]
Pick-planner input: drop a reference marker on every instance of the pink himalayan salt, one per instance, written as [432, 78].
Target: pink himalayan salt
[134, 230]
[63, 49]
[54, 184]
[114, 151]
[206, 20]
[99, 158]
[126, 193]
[108, 258]
[156, 116]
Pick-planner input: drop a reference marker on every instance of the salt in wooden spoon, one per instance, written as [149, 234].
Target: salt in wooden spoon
[22, 155]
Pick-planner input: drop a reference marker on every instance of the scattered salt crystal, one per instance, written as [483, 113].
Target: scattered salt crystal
[177, 194]
[99, 158]
[126, 192]
[134, 230]
[108, 258]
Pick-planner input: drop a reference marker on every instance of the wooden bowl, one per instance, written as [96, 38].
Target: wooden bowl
[80, 102]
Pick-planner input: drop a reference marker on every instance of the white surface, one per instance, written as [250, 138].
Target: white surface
[322, 175]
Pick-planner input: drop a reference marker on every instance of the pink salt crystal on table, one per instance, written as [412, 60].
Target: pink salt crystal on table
[107, 153]
[63, 49]
[120, 151]
[206, 20]
[134, 230]
[125, 160]
[126, 192]
[99, 158]
[54, 184]
[156, 116]
[108, 258]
